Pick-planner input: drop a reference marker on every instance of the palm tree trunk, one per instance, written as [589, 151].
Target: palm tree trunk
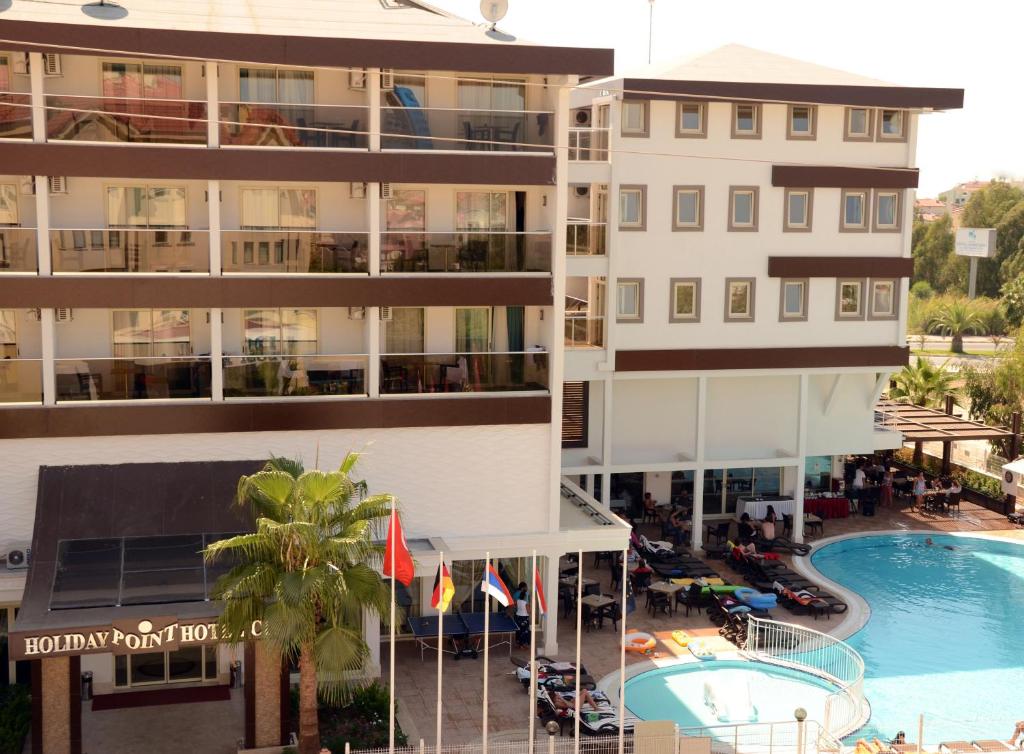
[957, 346]
[918, 457]
[309, 725]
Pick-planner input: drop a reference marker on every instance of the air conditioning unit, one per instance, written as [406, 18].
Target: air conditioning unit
[1013, 478]
[385, 191]
[356, 190]
[385, 314]
[51, 64]
[18, 557]
[357, 79]
[582, 191]
[56, 184]
[357, 312]
[582, 118]
[387, 79]
[63, 315]
[20, 63]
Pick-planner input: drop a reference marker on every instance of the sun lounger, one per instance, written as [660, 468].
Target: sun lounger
[956, 747]
[992, 744]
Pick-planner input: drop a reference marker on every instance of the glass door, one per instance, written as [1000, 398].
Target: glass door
[185, 665]
[473, 330]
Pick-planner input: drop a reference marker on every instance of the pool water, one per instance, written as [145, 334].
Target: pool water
[677, 692]
[945, 633]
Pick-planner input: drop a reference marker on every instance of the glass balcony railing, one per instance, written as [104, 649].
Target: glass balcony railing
[271, 376]
[15, 116]
[479, 251]
[266, 124]
[18, 250]
[21, 381]
[138, 378]
[463, 372]
[586, 239]
[129, 250]
[588, 144]
[584, 331]
[125, 120]
[467, 130]
[293, 251]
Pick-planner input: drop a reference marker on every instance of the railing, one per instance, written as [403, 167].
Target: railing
[583, 331]
[293, 251]
[138, 378]
[21, 380]
[15, 115]
[271, 124]
[129, 250]
[18, 250]
[586, 239]
[267, 376]
[125, 120]
[467, 130]
[788, 645]
[477, 251]
[463, 372]
[588, 144]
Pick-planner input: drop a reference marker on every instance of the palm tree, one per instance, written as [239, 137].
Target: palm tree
[307, 573]
[923, 383]
[956, 318]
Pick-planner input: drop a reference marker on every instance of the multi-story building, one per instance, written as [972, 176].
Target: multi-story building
[736, 295]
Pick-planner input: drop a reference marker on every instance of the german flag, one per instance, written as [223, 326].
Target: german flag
[444, 589]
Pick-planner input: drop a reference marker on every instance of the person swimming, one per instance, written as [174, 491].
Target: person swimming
[929, 542]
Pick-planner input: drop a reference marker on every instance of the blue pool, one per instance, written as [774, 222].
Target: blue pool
[945, 633]
[677, 692]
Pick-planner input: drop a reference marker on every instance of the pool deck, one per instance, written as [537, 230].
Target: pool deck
[508, 703]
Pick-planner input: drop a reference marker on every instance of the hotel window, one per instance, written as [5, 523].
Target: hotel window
[793, 300]
[632, 208]
[276, 86]
[473, 329]
[858, 124]
[494, 94]
[404, 331]
[142, 80]
[272, 208]
[689, 208]
[629, 300]
[849, 299]
[635, 117]
[151, 332]
[481, 210]
[685, 301]
[854, 210]
[883, 300]
[887, 211]
[743, 208]
[146, 207]
[799, 206]
[802, 122]
[8, 204]
[406, 209]
[276, 332]
[746, 120]
[691, 120]
[739, 299]
[149, 668]
[892, 125]
[8, 334]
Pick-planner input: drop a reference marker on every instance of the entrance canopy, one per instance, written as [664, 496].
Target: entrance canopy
[919, 424]
[117, 561]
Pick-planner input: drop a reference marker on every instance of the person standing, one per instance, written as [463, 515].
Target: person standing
[857, 488]
[919, 489]
[522, 616]
[886, 497]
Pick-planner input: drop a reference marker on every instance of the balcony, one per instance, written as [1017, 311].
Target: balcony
[417, 373]
[21, 381]
[15, 116]
[465, 252]
[584, 238]
[18, 250]
[466, 130]
[140, 378]
[109, 250]
[278, 252]
[125, 120]
[588, 144]
[264, 124]
[271, 376]
[582, 331]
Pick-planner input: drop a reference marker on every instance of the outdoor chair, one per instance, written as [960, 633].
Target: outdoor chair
[603, 555]
[954, 502]
[650, 516]
[692, 598]
[719, 531]
[658, 602]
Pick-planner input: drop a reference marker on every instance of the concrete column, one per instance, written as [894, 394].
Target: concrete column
[801, 459]
[216, 354]
[212, 104]
[44, 260]
[373, 349]
[48, 334]
[56, 706]
[551, 592]
[697, 519]
[373, 102]
[37, 88]
[213, 223]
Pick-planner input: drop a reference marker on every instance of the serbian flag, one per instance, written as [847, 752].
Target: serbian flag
[444, 589]
[395, 551]
[542, 604]
[494, 586]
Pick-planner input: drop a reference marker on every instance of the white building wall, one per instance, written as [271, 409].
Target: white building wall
[653, 420]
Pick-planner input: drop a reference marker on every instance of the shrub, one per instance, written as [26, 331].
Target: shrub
[922, 289]
[989, 486]
[15, 718]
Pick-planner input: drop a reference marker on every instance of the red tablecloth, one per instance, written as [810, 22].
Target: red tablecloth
[828, 507]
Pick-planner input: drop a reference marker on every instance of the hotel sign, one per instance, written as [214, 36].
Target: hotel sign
[124, 637]
[976, 242]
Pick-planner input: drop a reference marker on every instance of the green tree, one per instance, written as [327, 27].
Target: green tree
[957, 317]
[1013, 300]
[1010, 243]
[923, 383]
[934, 259]
[307, 573]
[996, 387]
[993, 320]
[989, 208]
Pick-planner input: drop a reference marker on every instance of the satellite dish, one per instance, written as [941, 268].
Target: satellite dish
[493, 10]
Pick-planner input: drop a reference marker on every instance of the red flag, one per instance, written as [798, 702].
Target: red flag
[396, 552]
[542, 604]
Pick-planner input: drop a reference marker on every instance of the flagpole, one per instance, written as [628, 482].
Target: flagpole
[440, 652]
[622, 656]
[533, 655]
[391, 650]
[579, 638]
[487, 642]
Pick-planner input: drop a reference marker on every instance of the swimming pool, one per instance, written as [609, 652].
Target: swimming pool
[677, 693]
[944, 636]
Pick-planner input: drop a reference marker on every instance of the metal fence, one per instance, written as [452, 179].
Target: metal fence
[788, 645]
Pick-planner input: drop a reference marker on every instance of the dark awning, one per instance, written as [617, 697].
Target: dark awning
[919, 424]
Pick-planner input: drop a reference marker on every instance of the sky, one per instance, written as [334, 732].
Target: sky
[975, 46]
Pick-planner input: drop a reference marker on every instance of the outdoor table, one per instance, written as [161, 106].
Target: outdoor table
[828, 507]
[598, 603]
[757, 508]
[669, 590]
[812, 522]
[588, 584]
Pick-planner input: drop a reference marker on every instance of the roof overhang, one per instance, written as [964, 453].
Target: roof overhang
[837, 176]
[920, 424]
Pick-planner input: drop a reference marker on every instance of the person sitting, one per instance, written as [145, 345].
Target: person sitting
[745, 529]
[650, 508]
[1018, 730]
[676, 525]
[642, 568]
[768, 525]
[559, 702]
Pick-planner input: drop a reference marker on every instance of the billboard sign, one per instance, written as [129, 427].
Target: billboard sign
[976, 242]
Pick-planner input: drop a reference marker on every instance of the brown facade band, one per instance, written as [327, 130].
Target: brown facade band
[325, 52]
[192, 418]
[273, 164]
[821, 94]
[272, 291]
[831, 267]
[707, 359]
[834, 176]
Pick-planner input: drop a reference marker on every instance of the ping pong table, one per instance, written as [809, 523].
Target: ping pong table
[462, 628]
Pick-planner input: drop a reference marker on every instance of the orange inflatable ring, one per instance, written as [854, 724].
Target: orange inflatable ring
[640, 642]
